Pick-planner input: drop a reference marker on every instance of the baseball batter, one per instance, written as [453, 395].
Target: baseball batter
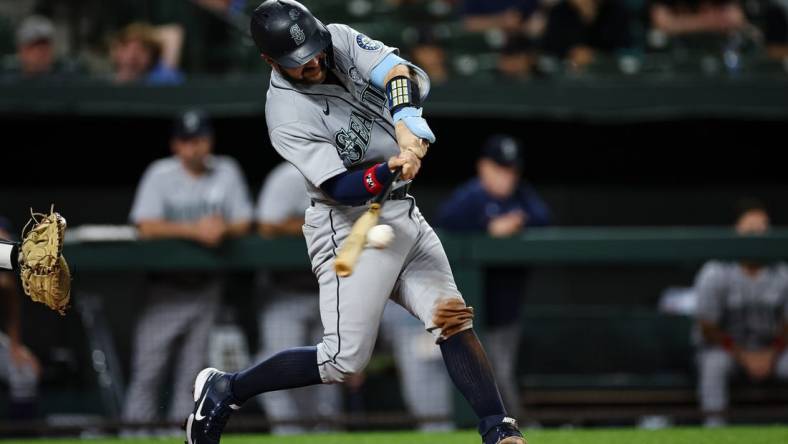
[345, 110]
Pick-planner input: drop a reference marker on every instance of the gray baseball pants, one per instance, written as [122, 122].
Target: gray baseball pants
[173, 328]
[413, 271]
[715, 369]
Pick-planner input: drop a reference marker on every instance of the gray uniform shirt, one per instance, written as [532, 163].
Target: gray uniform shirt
[327, 129]
[750, 309]
[168, 192]
[283, 197]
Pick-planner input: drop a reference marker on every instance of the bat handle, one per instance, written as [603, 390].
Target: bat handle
[387, 187]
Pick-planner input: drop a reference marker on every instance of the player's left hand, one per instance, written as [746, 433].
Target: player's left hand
[409, 162]
[408, 141]
[210, 230]
[507, 224]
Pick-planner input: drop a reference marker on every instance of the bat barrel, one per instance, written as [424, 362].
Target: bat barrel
[343, 268]
[351, 249]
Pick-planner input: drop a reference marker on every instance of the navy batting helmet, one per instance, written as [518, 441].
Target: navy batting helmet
[287, 32]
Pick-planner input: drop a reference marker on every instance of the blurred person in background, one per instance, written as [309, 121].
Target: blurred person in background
[35, 52]
[682, 17]
[290, 314]
[141, 53]
[775, 29]
[423, 19]
[522, 23]
[200, 197]
[578, 29]
[423, 380]
[291, 317]
[743, 318]
[428, 53]
[225, 7]
[19, 368]
[499, 202]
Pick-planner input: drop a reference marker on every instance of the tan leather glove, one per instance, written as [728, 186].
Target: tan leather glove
[43, 269]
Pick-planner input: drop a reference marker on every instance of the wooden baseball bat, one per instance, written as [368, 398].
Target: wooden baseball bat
[355, 241]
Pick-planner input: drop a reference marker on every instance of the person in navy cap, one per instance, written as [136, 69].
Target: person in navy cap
[499, 202]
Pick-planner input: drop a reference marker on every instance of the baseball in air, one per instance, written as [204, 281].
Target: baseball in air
[380, 236]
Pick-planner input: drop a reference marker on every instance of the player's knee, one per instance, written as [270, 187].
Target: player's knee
[335, 373]
[451, 316]
[344, 367]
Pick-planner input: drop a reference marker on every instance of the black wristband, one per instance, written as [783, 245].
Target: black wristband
[402, 92]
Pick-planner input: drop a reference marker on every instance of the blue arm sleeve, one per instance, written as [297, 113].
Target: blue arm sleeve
[348, 188]
[378, 74]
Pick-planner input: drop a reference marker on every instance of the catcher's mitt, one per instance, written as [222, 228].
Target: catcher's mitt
[42, 268]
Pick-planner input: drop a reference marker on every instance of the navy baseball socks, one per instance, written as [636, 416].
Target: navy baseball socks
[292, 368]
[218, 394]
[471, 372]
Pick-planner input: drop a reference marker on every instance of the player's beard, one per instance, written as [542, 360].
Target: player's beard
[304, 81]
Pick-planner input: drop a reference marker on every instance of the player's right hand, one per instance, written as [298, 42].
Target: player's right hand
[409, 162]
[408, 141]
[210, 230]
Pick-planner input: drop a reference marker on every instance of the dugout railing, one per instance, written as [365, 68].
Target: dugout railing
[583, 393]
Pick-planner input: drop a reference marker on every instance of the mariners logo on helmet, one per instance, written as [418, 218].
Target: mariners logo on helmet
[297, 34]
[367, 43]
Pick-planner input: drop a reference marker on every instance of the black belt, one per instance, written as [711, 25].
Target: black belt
[400, 193]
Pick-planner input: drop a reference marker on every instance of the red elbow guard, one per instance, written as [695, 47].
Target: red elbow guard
[371, 182]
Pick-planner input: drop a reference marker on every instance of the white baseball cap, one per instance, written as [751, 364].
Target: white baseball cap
[33, 29]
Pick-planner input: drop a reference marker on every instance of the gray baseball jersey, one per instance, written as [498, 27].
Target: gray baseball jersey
[168, 192]
[324, 130]
[750, 309]
[283, 195]
[327, 129]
